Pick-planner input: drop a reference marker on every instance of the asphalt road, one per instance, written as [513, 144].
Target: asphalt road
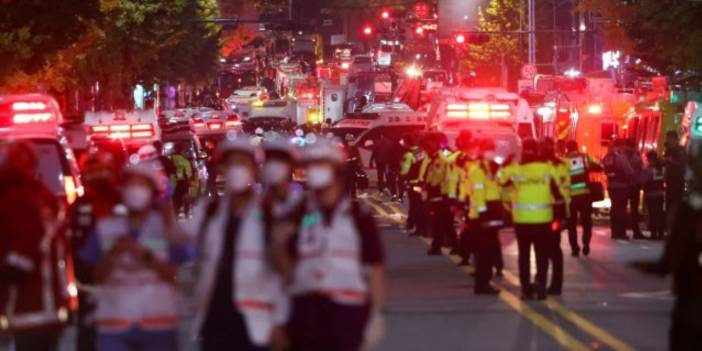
[606, 305]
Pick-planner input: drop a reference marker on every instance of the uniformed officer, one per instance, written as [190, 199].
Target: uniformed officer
[408, 173]
[468, 159]
[434, 179]
[532, 214]
[580, 166]
[619, 174]
[632, 154]
[653, 180]
[182, 178]
[561, 197]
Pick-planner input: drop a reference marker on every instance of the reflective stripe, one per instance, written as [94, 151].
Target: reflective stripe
[255, 305]
[559, 202]
[159, 321]
[19, 261]
[578, 186]
[36, 319]
[495, 223]
[531, 207]
[479, 186]
[479, 208]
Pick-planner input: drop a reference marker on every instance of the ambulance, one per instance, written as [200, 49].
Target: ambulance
[492, 113]
[134, 128]
[36, 119]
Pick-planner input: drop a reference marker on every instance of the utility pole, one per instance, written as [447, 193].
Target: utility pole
[532, 32]
[290, 10]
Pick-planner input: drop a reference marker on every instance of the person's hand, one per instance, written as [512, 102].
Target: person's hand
[279, 339]
[375, 331]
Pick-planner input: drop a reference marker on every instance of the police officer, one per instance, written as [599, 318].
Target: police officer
[619, 174]
[634, 200]
[532, 213]
[239, 297]
[580, 165]
[653, 180]
[681, 258]
[675, 159]
[409, 170]
[469, 159]
[561, 197]
[182, 178]
[135, 257]
[338, 277]
[433, 182]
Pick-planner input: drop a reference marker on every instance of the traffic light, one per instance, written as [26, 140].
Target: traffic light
[419, 31]
[474, 38]
[385, 14]
[368, 30]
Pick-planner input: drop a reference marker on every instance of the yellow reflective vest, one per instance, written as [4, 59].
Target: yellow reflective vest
[483, 187]
[532, 200]
[454, 173]
[408, 161]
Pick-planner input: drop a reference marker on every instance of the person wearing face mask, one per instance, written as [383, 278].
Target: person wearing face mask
[99, 201]
[135, 258]
[337, 277]
[240, 300]
[34, 299]
[281, 195]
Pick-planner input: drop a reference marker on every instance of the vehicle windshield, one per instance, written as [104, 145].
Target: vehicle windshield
[362, 59]
[385, 48]
[386, 107]
[51, 169]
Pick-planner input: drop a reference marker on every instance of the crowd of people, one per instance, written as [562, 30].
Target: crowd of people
[278, 267]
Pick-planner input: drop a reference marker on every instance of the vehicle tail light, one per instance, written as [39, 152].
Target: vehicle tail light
[199, 124]
[119, 128]
[141, 127]
[215, 126]
[143, 134]
[28, 106]
[232, 121]
[594, 109]
[100, 129]
[345, 65]
[32, 117]
[478, 110]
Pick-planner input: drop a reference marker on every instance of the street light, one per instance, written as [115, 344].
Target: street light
[460, 38]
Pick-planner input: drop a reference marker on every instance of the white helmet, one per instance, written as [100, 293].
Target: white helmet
[324, 149]
[147, 152]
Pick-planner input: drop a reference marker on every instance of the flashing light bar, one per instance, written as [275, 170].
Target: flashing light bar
[28, 106]
[594, 109]
[33, 117]
[124, 131]
[232, 123]
[478, 110]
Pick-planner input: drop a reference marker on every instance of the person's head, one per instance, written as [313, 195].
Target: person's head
[463, 140]
[671, 139]
[148, 153]
[630, 145]
[530, 150]
[21, 158]
[487, 149]
[324, 162]
[98, 172]
[652, 158]
[571, 146]
[547, 149]
[279, 162]
[141, 184]
[159, 146]
[237, 163]
[561, 147]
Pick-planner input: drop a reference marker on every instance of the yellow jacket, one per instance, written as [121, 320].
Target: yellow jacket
[532, 200]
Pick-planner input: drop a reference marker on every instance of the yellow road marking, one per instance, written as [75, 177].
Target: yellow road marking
[561, 336]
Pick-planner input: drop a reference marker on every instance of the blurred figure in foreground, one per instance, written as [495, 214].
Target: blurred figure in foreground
[653, 180]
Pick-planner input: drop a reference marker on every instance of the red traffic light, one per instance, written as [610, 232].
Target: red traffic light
[368, 30]
[385, 14]
[460, 38]
[473, 38]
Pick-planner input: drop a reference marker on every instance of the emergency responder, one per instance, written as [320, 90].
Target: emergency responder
[434, 181]
[632, 154]
[338, 278]
[168, 166]
[681, 258]
[394, 158]
[410, 163]
[675, 158]
[182, 178]
[449, 192]
[135, 257]
[561, 203]
[353, 166]
[34, 296]
[468, 159]
[98, 173]
[653, 180]
[379, 159]
[211, 165]
[494, 195]
[485, 216]
[239, 298]
[276, 174]
[580, 165]
[619, 174]
[416, 177]
[532, 214]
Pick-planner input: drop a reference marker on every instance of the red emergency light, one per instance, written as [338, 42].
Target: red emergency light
[124, 131]
[368, 30]
[385, 14]
[460, 38]
[419, 30]
[24, 112]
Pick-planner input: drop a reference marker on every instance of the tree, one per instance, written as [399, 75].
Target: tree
[665, 34]
[487, 59]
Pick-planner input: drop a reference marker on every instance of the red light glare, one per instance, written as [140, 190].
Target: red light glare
[385, 14]
[32, 117]
[460, 38]
[419, 30]
[28, 106]
[367, 30]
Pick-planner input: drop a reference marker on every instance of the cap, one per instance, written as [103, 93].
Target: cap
[323, 149]
[242, 144]
[147, 152]
[150, 170]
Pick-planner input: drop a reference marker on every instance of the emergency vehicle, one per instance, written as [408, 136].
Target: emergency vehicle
[36, 119]
[214, 123]
[240, 101]
[492, 113]
[133, 128]
[277, 115]
[332, 102]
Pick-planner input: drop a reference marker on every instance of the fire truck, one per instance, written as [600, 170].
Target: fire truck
[36, 118]
[133, 128]
[492, 113]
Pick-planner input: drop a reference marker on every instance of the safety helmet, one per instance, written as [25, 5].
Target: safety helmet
[463, 139]
[323, 149]
[147, 153]
[149, 170]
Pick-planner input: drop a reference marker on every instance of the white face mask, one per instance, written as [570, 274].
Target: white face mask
[319, 176]
[238, 178]
[137, 197]
[276, 172]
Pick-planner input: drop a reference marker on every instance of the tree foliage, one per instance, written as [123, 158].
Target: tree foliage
[486, 59]
[665, 34]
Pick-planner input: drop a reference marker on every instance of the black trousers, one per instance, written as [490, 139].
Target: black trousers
[486, 241]
[319, 324]
[536, 236]
[634, 216]
[580, 211]
[618, 216]
[442, 224]
[556, 261]
[496, 249]
[686, 331]
[392, 180]
[382, 177]
[656, 216]
[37, 341]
